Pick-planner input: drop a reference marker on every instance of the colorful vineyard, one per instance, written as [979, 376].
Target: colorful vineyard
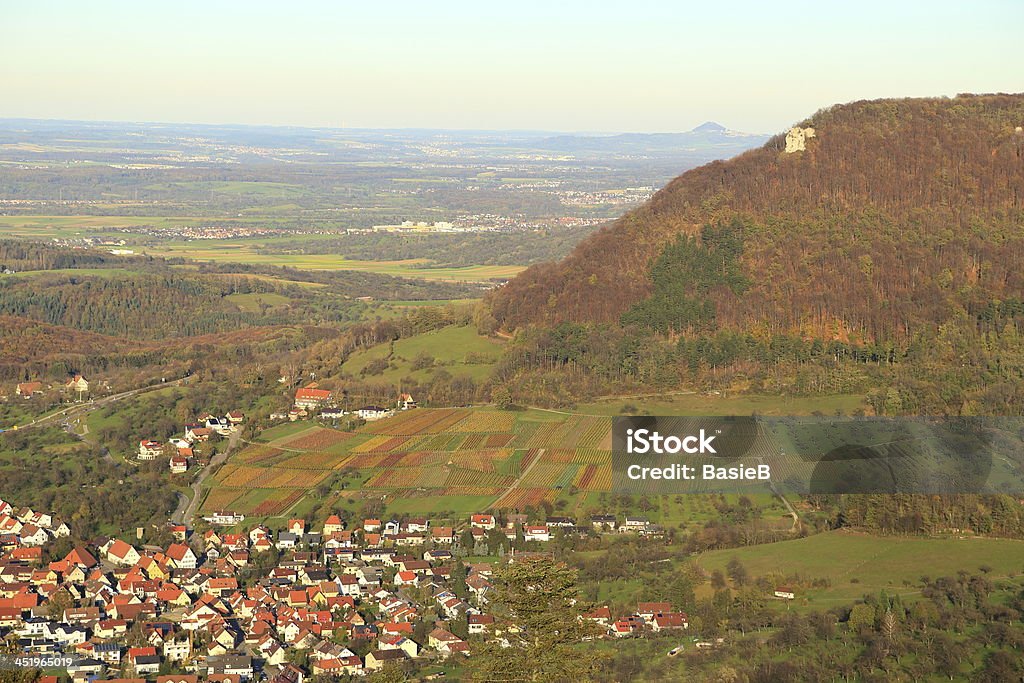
[319, 440]
[593, 478]
[486, 421]
[420, 421]
[543, 475]
[258, 453]
[381, 444]
[577, 431]
[461, 477]
[242, 476]
[314, 461]
[407, 477]
[220, 499]
[277, 504]
[523, 459]
[579, 456]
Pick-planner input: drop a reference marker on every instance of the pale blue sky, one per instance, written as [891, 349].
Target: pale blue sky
[554, 65]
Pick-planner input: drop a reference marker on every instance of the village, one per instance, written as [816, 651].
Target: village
[249, 604]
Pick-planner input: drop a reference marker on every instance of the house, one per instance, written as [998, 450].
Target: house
[236, 417]
[297, 527]
[635, 525]
[600, 522]
[86, 669]
[29, 389]
[33, 535]
[332, 414]
[378, 659]
[239, 665]
[333, 524]
[482, 522]
[77, 384]
[669, 620]
[601, 616]
[536, 533]
[196, 432]
[177, 650]
[442, 534]
[108, 653]
[120, 553]
[179, 465]
[143, 660]
[225, 518]
[182, 556]
[311, 399]
[647, 610]
[417, 525]
[441, 640]
[81, 557]
[220, 425]
[785, 592]
[479, 623]
[150, 450]
[627, 626]
[406, 401]
[371, 413]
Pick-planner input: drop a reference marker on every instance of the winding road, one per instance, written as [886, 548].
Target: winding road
[184, 514]
[77, 409]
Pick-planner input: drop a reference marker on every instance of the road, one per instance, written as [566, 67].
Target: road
[185, 514]
[77, 409]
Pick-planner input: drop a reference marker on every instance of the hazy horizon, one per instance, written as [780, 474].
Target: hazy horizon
[566, 67]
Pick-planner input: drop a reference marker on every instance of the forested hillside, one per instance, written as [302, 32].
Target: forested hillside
[882, 260]
[900, 215]
[144, 298]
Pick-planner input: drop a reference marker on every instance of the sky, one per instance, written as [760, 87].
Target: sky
[558, 65]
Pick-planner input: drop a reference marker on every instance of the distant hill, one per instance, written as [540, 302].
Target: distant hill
[897, 216]
[710, 139]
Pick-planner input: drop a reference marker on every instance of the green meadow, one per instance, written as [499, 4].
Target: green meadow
[458, 350]
[854, 564]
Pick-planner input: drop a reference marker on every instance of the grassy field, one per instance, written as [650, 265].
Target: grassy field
[254, 303]
[94, 272]
[47, 227]
[458, 350]
[855, 564]
[236, 187]
[247, 252]
[244, 251]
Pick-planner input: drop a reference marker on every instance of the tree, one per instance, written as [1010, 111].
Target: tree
[862, 618]
[389, 674]
[539, 596]
[737, 572]
[57, 603]
[502, 397]
[458, 580]
[680, 593]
